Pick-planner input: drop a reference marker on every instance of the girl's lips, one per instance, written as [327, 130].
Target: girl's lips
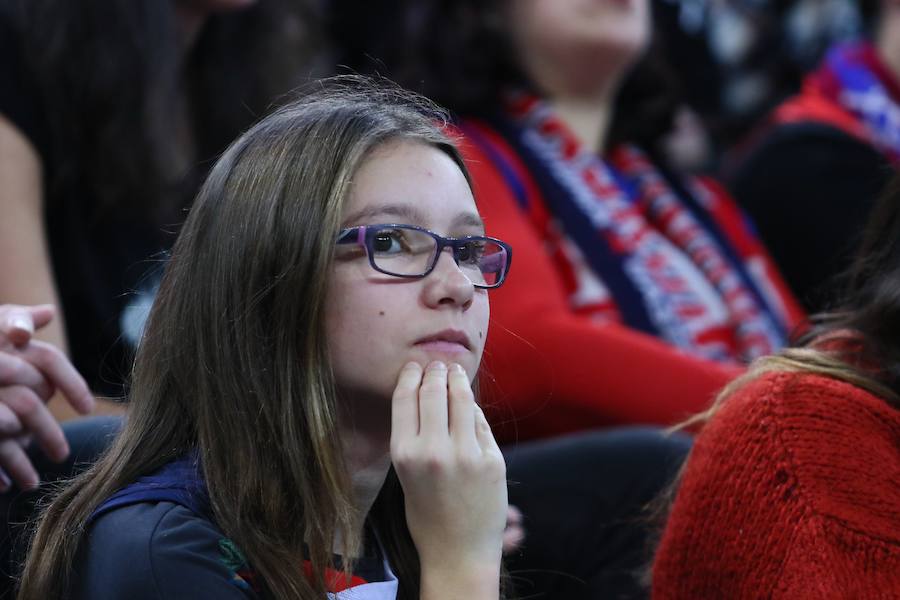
[442, 347]
[447, 336]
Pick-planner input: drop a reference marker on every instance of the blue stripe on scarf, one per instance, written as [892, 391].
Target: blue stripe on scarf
[604, 260]
[712, 228]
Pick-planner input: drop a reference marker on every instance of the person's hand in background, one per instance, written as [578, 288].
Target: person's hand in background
[31, 372]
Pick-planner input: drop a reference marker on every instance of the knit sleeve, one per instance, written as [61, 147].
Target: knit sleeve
[781, 498]
[736, 511]
[550, 371]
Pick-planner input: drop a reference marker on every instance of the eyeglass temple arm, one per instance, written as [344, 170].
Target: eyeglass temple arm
[347, 236]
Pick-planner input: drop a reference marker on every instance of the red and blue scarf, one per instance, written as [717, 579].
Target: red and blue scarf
[854, 91]
[639, 246]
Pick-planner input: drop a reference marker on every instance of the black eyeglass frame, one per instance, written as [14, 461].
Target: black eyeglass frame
[363, 235]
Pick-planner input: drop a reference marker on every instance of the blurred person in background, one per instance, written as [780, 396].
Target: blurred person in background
[791, 490]
[810, 174]
[737, 60]
[31, 371]
[109, 113]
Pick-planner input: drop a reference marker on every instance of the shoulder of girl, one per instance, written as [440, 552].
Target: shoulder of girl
[155, 550]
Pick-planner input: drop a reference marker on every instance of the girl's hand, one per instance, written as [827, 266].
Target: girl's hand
[454, 481]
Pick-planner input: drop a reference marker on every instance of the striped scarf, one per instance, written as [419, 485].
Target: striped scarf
[642, 248]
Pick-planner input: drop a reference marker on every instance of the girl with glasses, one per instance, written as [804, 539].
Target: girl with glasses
[301, 415]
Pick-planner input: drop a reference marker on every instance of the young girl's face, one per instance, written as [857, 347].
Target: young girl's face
[376, 323]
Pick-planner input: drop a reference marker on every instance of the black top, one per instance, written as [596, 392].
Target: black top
[810, 187]
[105, 260]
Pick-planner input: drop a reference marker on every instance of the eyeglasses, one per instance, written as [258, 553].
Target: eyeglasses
[410, 251]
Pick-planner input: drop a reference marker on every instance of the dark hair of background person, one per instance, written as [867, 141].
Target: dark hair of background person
[859, 341]
[871, 303]
[126, 117]
[459, 53]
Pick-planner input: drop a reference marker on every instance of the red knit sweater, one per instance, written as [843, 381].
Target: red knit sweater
[791, 491]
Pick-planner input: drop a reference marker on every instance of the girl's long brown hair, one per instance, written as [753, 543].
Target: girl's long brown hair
[233, 362]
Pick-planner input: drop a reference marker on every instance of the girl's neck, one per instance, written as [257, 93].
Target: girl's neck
[368, 458]
[587, 118]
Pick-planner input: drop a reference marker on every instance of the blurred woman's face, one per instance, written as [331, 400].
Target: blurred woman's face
[567, 46]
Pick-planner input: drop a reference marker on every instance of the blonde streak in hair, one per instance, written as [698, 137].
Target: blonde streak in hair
[322, 414]
[793, 360]
[317, 500]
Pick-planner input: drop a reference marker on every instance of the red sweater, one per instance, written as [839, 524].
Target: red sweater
[549, 370]
[791, 491]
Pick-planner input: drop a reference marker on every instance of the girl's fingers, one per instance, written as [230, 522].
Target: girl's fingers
[433, 418]
[461, 407]
[483, 433]
[405, 402]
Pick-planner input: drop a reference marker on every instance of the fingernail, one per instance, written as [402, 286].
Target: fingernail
[22, 323]
[457, 368]
[437, 366]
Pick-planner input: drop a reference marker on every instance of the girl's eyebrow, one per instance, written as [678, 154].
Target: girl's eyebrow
[469, 220]
[410, 214]
[407, 212]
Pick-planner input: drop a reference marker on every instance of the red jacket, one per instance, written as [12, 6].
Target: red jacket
[791, 491]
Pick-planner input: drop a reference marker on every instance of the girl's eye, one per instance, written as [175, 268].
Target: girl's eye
[471, 252]
[390, 242]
